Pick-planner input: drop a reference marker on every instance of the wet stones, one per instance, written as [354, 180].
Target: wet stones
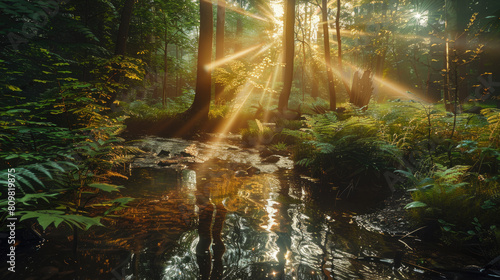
[186, 154]
[241, 173]
[167, 162]
[252, 170]
[271, 159]
[164, 153]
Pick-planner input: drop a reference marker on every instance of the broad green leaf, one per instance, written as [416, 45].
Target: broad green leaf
[415, 204]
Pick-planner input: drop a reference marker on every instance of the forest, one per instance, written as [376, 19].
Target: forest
[250, 139]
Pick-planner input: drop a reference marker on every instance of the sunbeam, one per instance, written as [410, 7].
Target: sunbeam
[231, 57]
[245, 13]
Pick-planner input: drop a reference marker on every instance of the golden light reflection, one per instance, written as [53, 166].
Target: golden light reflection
[271, 214]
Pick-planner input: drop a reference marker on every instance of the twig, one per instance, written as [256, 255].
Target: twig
[408, 234]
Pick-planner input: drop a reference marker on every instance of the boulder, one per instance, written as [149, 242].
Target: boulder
[271, 159]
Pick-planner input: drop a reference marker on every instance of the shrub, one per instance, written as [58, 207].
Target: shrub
[256, 133]
[464, 204]
[344, 150]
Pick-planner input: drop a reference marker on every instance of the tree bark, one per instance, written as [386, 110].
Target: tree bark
[178, 72]
[446, 85]
[219, 43]
[239, 30]
[165, 74]
[339, 44]
[328, 61]
[288, 44]
[121, 41]
[460, 37]
[201, 104]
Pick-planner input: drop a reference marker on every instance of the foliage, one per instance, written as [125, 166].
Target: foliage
[58, 132]
[344, 150]
[141, 110]
[465, 205]
[256, 133]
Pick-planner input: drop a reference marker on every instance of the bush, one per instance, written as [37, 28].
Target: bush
[464, 204]
[256, 133]
[346, 150]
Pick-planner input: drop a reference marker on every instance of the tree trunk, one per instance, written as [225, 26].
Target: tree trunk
[288, 44]
[219, 43]
[165, 74]
[460, 37]
[446, 85]
[433, 89]
[339, 44]
[328, 62]
[121, 41]
[178, 72]
[239, 30]
[201, 104]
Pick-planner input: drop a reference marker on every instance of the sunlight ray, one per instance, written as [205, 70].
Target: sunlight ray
[265, 48]
[231, 57]
[265, 89]
[391, 87]
[240, 100]
[352, 34]
[273, 83]
[245, 13]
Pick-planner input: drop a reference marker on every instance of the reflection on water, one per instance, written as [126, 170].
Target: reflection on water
[205, 223]
[265, 226]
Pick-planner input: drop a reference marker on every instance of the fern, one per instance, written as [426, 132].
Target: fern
[344, 149]
[56, 217]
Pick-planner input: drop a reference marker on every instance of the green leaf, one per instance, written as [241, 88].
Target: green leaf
[47, 217]
[17, 111]
[13, 88]
[426, 187]
[415, 204]
[105, 187]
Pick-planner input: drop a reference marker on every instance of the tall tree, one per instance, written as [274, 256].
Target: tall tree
[339, 45]
[328, 61]
[201, 104]
[165, 63]
[219, 42]
[126, 17]
[288, 50]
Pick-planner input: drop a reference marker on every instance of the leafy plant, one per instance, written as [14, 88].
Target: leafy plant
[257, 133]
[344, 150]
[464, 204]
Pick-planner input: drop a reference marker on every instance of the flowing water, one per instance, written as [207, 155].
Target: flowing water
[219, 211]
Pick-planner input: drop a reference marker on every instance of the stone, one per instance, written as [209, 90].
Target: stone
[164, 153]
[167, 162]
[266, 153]
[253, 170]
[241, 173]
[271, 159]
[184, 154]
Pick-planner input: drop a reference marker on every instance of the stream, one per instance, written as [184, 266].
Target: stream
[215, 210]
